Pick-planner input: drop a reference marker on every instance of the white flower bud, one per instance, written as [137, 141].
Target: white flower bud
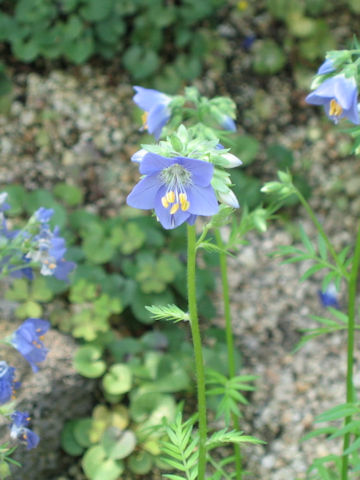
[232, 160]
[229, 199]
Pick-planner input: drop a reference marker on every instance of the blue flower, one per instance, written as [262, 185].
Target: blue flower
[326, 67]
[156, 107]
[3, 203]
[49, 250]
[7, 382]
[27, 339]
[43, 214]
[228, 123]
[19, 430]
[338, 94]
[178, 189]
[329, 298]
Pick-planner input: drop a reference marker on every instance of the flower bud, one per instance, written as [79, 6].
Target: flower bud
[229, 199]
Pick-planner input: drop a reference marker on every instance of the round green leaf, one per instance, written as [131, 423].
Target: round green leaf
[81, 430]
[87, 361]
[140, 463]
[118, 379]
[117, 443]
[68, 441]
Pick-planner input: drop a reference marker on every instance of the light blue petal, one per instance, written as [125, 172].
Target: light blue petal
[153, 163]
[202, 172]
[326, 67]
[157, 119]
[228, 123]
[144, 193]
[344, 90]
[202, 200]
[146, 98]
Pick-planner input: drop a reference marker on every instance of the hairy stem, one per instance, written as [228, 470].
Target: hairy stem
[196, 338]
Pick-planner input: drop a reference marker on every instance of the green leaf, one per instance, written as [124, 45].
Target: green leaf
[118, 380]
[306, 241]
[80, 49]
[322, 247]
[81, 430]
[311, 271]
[87, 361]
[117, 443]
[140, 463]
[168, 312]
[70, 194]
[97, 467]
[95, 10]
[68, 440]
[268, 57]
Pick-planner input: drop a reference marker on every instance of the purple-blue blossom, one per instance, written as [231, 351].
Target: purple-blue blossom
[178, 189]
[329, 297]
[326, 67]
[228, 123]
[49, 250]
[8, 386]
[28, 340]
[19, 430]
[43, 214]
[338, 95]
[156, 107]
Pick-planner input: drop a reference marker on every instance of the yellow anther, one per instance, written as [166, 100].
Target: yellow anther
[174, 208]
[185, 205]
[335, 108]
[170, 196]
[42, 337]
[144, 118]
[183, 197]
[164, 202]
[52, 266]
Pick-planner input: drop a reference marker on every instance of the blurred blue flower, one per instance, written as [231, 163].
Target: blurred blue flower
[329, 297]
[326, 67]
[3, 203]
[43, 214]
[178, 189]
[49, 250]
[20, 432]
[338, 95]
[228, 123]
[27, 339]
[7, 382]
[156, 107]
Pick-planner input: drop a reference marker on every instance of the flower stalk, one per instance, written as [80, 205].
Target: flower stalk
[229, 341]
[196, 338]
[350, 349]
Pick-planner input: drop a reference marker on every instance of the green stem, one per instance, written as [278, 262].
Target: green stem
[350, 349]
[322, 233]
[229, 341]
[196, 338]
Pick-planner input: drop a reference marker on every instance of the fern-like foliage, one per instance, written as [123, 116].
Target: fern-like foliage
[180, 450]
[168, 312]
[229, 390]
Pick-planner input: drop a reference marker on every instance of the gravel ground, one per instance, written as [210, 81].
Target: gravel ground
[50, 136]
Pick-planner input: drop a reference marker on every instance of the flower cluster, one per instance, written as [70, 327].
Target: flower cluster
[48, 248]
[19, 430]
[159, 107]
[338, 93]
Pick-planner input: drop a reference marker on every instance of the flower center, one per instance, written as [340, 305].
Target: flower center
[335, 108]
[177, 179]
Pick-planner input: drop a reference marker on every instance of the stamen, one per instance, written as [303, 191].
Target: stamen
[170, 196]
[174, 208]
[185, 206]
[182, 197]
[52, 266]
[144, 118]
[335, 108]
[164, 202]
